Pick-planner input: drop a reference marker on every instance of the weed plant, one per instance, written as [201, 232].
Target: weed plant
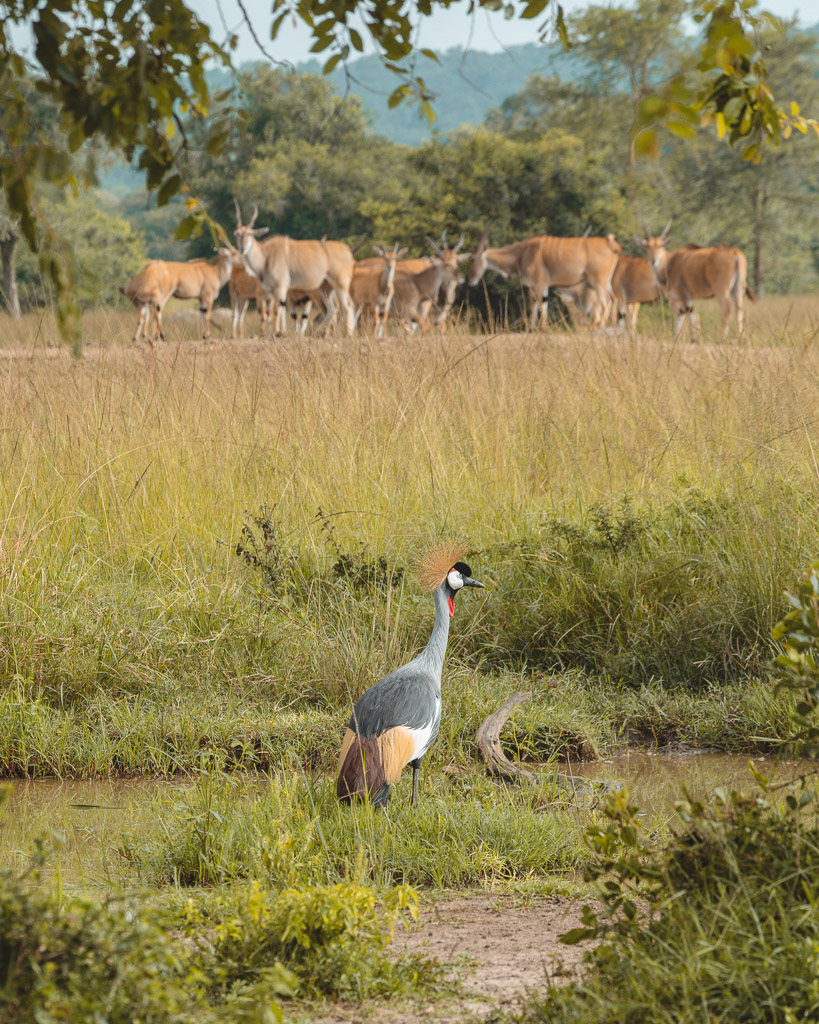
[731, 932]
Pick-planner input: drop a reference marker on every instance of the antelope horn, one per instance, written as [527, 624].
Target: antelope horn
[443, 239]
[435, 247]
[587, 232]
[484, 238]
[238, 212]
[253, 218]
[666, 229]
[354, 248]
[460, 243]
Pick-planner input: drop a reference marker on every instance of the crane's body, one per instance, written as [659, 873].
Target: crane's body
[396, 721]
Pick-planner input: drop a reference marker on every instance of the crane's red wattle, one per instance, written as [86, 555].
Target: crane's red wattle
[451, 606]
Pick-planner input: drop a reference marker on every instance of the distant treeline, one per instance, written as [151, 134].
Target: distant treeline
[553, 158]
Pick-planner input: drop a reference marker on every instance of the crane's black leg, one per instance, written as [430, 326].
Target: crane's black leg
[416, 771]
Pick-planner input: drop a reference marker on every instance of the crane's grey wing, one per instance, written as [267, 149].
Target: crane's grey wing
[403, 698]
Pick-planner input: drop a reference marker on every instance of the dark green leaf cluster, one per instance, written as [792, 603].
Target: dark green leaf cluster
[721, 924]
[798, 663]
[82, 960]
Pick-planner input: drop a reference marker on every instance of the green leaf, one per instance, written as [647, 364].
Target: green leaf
[575, 935]
[169, 188]
[533, 8]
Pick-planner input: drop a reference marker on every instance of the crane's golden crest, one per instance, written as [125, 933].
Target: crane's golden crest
[433, 566]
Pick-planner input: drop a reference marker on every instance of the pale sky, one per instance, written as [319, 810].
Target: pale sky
[483, 30]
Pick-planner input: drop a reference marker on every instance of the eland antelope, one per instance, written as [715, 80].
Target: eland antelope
[452, 256]
[545, 262]
[633, 284]
[160, 280]
[283, 263]
[418, 287]
[373, 285]
[692, 272]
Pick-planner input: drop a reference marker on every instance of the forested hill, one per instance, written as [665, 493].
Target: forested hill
[466, 86]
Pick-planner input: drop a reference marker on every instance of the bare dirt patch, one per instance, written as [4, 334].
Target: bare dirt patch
[496, 948]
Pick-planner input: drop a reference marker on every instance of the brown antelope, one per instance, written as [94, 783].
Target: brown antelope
[300, 305]
[242, 289]
[451, 256]
[373, 284]
[417, 288]
[691, 272]
[545, 262]
[282, 263]
[160, 280]
[633, 284]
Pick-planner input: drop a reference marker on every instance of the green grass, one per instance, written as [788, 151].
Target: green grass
[284, 831]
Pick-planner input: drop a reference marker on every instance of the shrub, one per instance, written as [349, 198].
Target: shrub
[87, 961]
[327, 941]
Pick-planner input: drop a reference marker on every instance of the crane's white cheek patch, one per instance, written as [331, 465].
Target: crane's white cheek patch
[454, 579]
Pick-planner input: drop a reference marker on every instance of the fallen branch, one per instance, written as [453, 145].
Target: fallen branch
[488, 740]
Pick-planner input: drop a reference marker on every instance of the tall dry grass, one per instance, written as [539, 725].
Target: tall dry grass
[127, 476]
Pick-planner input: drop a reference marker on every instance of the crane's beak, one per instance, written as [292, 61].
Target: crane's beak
[469, 582]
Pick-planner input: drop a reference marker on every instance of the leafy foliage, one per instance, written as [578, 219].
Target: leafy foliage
[733, 91]
[326, 941]
[83, 960]
[720, 924]
[798, 664]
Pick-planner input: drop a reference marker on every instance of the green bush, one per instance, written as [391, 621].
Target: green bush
[332, 939]
[87, 961]
[722, 924]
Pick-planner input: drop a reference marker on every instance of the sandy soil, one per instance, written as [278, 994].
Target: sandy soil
[496, 948]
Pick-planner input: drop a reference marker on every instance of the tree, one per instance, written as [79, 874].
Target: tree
[104, 250]
[9, 237]
[309, 160]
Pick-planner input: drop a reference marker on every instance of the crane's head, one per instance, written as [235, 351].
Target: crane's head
[459, 576]
[441, 568]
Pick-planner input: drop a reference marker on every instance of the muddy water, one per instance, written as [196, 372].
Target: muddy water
[84, 820]
[88, 818]
[656, 780]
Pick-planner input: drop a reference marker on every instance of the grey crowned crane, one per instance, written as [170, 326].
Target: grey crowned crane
[396, 721]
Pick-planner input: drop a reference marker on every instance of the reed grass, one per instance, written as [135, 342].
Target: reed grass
[132, 635]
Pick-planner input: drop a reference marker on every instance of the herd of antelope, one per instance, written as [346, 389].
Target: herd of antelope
[286, 277]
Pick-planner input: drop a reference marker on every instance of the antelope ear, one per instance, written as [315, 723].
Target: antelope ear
[258, 232]
[462, 257]
[401, 253]
[379, 250]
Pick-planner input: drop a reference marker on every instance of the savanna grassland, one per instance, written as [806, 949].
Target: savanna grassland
[207, 554]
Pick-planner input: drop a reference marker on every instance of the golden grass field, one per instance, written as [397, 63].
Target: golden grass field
[127, 451]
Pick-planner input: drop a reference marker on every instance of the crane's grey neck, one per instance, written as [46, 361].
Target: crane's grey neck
[433, 654]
